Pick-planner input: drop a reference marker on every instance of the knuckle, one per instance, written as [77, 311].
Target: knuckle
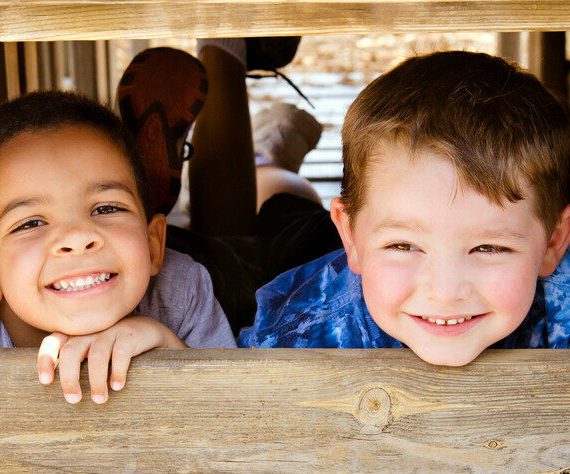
[122, 349]
[67, 350]
[96, 354]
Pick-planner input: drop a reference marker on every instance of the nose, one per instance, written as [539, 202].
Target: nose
[447, 280]
[77, 240]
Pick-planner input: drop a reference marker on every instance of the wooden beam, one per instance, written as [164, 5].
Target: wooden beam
[284, 410]
[24, 20]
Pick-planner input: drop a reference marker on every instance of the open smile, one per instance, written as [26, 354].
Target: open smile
[448, 326]
[447, 322]
[82, 283]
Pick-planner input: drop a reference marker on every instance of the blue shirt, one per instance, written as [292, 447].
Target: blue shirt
[320, 304]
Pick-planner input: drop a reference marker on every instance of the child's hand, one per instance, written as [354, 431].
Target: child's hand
[129, 337]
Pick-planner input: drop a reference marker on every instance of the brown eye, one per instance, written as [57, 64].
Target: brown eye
[31, 224]
[402, 247]
[106, 209]
[490, 249]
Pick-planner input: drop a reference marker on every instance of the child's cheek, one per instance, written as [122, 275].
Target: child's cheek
[386, 287]
[510, 297]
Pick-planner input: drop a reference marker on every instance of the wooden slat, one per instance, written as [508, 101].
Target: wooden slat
[102, 72]
[22, 20]
[296, 411]
[11, 69]
[31, 66]
[45, 65]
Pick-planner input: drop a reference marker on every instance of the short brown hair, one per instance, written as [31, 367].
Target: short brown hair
[497, 124]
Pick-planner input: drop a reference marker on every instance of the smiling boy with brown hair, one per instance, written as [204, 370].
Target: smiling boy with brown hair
[454, 203]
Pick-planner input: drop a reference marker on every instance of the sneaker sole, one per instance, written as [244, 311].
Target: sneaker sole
[160, 94]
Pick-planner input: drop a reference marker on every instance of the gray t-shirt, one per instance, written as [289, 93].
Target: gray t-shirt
[182, 298]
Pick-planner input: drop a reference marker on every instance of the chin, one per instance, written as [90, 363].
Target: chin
[90, 325]
[448, 359]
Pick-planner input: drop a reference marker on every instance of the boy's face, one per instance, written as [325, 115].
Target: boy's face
[76, 253]
[443, 269]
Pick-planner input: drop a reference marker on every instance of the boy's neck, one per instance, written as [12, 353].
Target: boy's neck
[21, 333]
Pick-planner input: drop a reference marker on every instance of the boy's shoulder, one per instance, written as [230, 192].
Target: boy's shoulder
[319, 304]
[182, 298]
[557, 303]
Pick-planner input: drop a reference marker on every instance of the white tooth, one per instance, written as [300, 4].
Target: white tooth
[89, 280]
[71, 283]
[79, 282]
[431, 320]
[64, 284]
[102, 276]
[452, 321]
[441, 322]
[98, 282]
[467, 318]
[107, 276]
[461, 320]
[57, 286]
[424, 318]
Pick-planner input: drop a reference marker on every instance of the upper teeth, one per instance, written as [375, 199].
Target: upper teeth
[81, 283]
[446, 322]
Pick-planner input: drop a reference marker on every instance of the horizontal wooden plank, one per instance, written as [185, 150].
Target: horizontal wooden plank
[39, 20]
[286, 410]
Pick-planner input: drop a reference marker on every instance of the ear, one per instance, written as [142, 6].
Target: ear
[558, 244]
[156, 232]
[342, 222]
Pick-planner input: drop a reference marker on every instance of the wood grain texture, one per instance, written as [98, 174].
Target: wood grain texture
[22, 20]
[285, 410]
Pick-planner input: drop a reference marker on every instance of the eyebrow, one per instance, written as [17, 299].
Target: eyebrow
[399, 224]
[491, 234]
[109, 186]
[91, 189]
[27, 202]
[500, 234]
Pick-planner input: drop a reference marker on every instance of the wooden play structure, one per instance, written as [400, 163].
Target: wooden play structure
[283, 410]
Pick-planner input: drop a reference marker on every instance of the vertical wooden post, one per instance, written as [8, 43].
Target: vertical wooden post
[84, 68]
[509, 46]
[58, 64]
[45, 62]
[3, 94]
[102, 72]
[31, 66]
[12, 70]
[547, 60]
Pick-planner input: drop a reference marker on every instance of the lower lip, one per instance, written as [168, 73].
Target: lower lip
[452, 330]
[94, 290]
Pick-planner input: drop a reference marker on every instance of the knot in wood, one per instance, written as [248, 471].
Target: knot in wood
[374, 408]
[495, 444]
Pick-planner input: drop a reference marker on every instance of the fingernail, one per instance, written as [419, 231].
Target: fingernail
[99, 398]
[117, 385]
[45, 378]
[72, 397]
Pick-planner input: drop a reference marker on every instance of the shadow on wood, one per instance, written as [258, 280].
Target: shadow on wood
[296, 410]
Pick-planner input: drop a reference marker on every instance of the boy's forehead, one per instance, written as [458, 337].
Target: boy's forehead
[68, 150]
[83, 139]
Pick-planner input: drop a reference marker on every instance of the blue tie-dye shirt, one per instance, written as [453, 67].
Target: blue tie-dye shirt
[320, 304]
